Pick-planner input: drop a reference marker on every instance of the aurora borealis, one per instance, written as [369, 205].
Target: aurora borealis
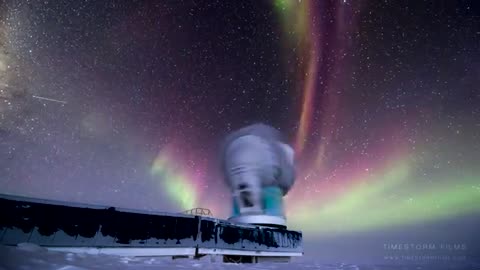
[381, 102]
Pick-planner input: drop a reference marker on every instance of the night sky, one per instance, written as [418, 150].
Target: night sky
[124, 103]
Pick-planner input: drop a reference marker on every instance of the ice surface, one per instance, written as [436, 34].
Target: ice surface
[31, 256]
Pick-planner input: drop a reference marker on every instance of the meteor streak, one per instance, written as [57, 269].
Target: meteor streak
[50, 99]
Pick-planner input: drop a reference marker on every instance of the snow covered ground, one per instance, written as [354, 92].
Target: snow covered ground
[29, 256]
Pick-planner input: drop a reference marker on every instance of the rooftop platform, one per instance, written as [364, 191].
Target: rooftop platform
[99, 229]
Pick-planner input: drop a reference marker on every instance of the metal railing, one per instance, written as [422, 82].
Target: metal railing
[199, 212]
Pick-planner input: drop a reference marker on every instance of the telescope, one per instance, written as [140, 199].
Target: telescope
[258, 167]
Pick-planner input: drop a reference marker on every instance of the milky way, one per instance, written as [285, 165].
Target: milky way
[125, 104]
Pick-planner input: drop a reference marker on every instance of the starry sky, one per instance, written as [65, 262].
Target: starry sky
[124, 103]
